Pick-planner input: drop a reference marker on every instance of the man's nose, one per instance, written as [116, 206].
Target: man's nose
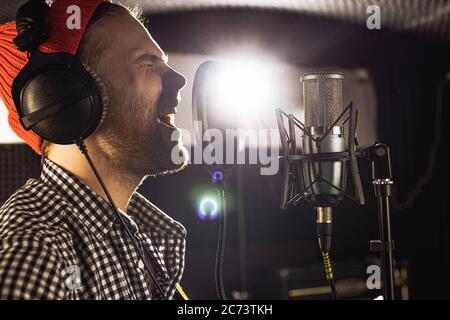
[174, 79]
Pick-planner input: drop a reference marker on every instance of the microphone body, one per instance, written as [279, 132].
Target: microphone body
[322, 100]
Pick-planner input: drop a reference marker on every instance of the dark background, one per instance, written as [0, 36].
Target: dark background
[406, 68]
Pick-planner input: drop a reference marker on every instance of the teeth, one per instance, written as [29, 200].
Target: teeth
[168, 120]
[171, 117]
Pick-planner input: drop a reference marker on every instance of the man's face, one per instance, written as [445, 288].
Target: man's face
[143, 93]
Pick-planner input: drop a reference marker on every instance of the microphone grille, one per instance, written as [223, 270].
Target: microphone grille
[322, 98]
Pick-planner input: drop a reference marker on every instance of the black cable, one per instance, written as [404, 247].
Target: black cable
[324, 233]
[329, 274]
[333, 290]
[220, 252]
[224, 239]
[216, 262]
[84, 151]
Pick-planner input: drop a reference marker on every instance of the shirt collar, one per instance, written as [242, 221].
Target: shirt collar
[97, 214]
[93, 211]
[151, 218]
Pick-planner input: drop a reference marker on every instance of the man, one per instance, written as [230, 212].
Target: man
[59, 237]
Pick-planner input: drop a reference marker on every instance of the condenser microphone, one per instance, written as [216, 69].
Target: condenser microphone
[325, 178]
[317, 172]
[322, 100]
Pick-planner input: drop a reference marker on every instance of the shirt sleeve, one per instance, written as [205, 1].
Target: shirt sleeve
[29, 269]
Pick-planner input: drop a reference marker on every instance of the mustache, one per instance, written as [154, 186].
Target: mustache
[170, 96]
[168, 102]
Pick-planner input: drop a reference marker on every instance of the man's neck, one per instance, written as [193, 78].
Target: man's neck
[119, 184]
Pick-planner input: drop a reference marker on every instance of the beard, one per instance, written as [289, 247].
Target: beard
[133, 141]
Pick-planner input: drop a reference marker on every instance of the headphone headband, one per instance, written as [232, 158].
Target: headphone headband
[30, 25]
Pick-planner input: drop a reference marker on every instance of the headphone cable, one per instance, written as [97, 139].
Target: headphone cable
[81, 145]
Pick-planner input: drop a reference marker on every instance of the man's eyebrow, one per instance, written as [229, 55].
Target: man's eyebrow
[153, 57]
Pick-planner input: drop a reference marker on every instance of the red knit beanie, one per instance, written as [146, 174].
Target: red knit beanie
[61, 39]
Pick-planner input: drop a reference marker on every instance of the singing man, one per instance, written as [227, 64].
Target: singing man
[59, 236]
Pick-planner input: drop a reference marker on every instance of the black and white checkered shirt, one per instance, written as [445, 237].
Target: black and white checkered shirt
[60, 240]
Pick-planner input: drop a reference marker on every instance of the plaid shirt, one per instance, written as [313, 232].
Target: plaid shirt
[60, 240]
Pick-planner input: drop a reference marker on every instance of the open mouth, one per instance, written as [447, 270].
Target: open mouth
[168, 120]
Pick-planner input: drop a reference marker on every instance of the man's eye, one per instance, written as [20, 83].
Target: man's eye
[151, 66]
[156, 67]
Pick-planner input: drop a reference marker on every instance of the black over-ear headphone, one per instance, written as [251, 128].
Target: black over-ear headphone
[55, 96]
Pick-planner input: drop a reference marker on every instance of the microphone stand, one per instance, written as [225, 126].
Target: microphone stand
[379, 156]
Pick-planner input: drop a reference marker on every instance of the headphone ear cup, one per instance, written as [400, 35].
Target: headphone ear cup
[103, 92]
[57, 98]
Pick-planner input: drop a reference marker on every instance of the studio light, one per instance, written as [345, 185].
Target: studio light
[240, 89]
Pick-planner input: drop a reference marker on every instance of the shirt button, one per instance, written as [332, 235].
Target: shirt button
[141, 264]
